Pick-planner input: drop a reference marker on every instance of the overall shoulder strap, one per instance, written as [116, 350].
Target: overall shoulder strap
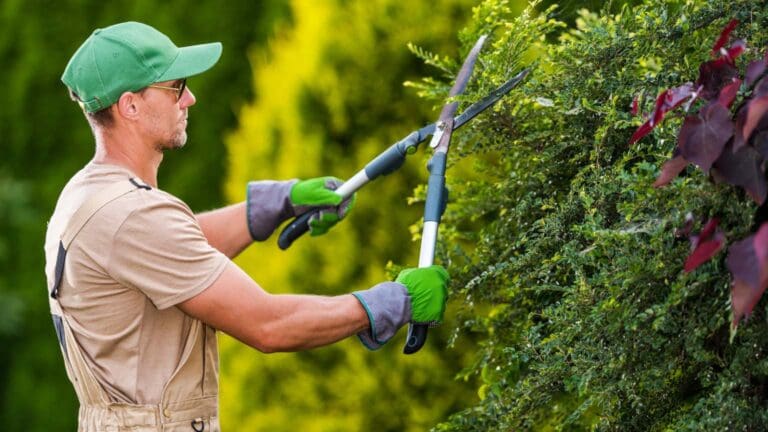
[83, 214]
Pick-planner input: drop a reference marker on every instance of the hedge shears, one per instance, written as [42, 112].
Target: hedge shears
[393, 158]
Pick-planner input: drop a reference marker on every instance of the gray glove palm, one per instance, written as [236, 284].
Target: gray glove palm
[270, 203]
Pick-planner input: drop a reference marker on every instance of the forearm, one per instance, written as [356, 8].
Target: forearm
[299, 322]
[226, 229]
[238, 306]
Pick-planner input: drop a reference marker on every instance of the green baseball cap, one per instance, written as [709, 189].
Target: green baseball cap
[128, 57]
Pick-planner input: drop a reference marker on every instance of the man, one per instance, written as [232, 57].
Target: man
[138, 283]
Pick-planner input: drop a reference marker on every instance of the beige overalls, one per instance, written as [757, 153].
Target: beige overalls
[189, 399]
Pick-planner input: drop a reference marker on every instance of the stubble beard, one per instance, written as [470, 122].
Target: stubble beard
[177, 141]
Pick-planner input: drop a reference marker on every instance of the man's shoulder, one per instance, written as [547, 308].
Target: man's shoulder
[141, 203]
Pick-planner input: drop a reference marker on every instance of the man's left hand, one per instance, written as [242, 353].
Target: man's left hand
[317, 194]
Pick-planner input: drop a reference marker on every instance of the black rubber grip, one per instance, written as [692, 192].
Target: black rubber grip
[298, 226]
[417, 335]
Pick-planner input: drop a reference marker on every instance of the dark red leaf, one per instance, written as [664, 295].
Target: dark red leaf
[736, 50]
[728, 93]
[642, 131]
[676, 96]
[754, 70]
[665, 102]
[703, 136]
[723, 39]
[658, 109]
[749, 269]
[706, 245]
[634, 106]
[670, 170]
[743, 168]
[756, 109]
[709, 228]
[713, 75]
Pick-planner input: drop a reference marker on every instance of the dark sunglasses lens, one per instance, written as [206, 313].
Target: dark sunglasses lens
[183, 86]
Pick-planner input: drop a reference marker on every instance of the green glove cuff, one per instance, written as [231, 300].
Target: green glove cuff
[428, 289]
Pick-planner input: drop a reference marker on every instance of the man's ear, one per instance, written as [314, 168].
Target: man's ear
[128, 105]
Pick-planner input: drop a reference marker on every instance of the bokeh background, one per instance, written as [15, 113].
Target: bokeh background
[304, 88]
[565, 315]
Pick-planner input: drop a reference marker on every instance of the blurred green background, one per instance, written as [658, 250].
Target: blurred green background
[304, 88]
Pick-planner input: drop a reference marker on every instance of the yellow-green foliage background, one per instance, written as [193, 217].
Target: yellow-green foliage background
[329, 97]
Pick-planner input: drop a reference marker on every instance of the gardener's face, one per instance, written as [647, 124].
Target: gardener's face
[166, 113]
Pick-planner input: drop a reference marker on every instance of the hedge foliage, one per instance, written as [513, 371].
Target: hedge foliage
[562, 253]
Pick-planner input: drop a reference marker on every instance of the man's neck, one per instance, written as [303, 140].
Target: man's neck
[128, 152]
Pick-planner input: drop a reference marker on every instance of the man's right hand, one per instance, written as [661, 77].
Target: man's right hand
[418, 295]
[428, 289]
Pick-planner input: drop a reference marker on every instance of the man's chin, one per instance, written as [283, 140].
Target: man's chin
[174, 144]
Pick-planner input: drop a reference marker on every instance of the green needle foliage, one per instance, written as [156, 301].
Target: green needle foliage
[564, 256]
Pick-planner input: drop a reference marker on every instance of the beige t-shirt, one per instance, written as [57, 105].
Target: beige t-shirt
[137, 258]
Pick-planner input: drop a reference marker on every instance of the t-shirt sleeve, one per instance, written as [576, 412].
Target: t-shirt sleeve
[160, 250]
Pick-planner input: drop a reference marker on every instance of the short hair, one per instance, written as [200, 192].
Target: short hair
[101, 118]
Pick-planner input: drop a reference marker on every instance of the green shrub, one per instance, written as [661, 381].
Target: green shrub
[563, 253]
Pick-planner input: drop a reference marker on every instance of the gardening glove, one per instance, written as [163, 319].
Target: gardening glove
[418, 295]
[270, 203]
[317, 193]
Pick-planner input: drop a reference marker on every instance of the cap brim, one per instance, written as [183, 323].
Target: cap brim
[193, 60]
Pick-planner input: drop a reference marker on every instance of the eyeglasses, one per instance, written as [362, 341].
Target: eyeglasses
[179, 89]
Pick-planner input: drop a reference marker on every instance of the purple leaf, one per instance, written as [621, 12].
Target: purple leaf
[706, 245]
[743, 168]
[754, 70]
[728, 93]
[635, 107]
[724, 35]
[760, 143]
[703, 136]
[738, 136]
[713, 75]
[756, 109]
[749, 269]
[670, 170]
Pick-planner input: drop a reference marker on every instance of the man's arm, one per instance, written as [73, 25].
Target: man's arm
[226, 229]
[235, 304]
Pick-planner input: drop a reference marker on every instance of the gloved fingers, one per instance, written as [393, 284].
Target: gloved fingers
[346, 206]
[428, 289]
[322, 221]
[316, 192]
